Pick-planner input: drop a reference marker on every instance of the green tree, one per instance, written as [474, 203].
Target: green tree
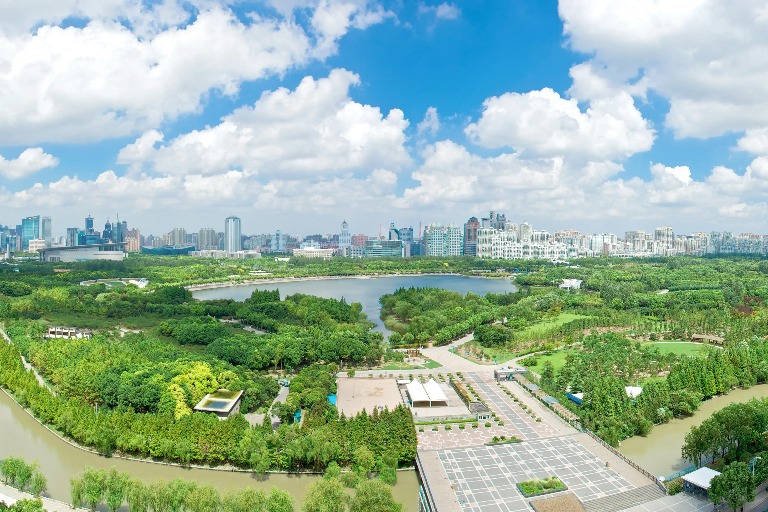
[137, 496]
[116, 485]
[325, 496]
[76, 491]
[38, 484]
[94, 486]
[374, 496]
[279, 501]
[364, 461]
[733, 486]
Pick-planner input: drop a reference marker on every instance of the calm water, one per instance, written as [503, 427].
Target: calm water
[22, 436]
[366, 291]
[659, 453]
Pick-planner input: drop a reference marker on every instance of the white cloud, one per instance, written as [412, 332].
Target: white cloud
[30, 161]
[430, 124]
[541, 123]
[443, 11]
[754, 141]
[103, 81]
[709, 58]
[315, 130]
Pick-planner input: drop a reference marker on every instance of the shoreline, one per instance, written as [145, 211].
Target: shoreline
[275, 280]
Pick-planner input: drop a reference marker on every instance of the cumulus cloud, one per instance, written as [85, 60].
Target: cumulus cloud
[314, 130]
[30, 161]
[708, 58]
[430, 124]
[542, 123]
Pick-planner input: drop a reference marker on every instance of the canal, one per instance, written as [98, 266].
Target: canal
[659, 452]
[22, 436]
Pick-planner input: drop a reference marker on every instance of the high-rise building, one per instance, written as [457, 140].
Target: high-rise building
[46, 230]
[89, 225]
[232, 234]
[133, 240]
[176, 237]
[30, 230]
[207, 239]
[72, 237]
[345, 239]
[470, 236]
[277, 243]
[439, 240]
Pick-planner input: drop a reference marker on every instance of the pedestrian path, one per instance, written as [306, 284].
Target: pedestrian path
[625, 500]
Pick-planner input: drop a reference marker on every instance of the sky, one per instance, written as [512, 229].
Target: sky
[594, 115]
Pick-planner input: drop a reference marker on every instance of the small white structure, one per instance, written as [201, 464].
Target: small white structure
[571, 284]
[314, 252]
[223, 403]
[427, 394]
[633, 391]
[699, 480]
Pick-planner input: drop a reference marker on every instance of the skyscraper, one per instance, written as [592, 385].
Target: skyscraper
[232, 234]
[470, 236]
[72, 236]
[30, 230]
[345, 240]
[45, 227]
[89, 225]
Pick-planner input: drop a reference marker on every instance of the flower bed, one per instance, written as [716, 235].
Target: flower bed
[539, 486]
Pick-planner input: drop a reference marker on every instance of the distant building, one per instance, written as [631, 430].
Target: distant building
[111, 252]
[30, 230]
[345, 239]
[232, 234]
[36, 245]
[314, 252]
[46, 230]
[72, 236]
[359, 240]
[383, 249]
[133, 240]
[470, 236]
[169, 250]
[207, 239]
[439, 240]
[278, 242]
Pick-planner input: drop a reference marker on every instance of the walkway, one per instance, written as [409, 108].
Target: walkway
[27, 365]
[49, 504]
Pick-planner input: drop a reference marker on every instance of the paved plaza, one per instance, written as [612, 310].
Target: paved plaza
[508, 410]
[678, 503]
[456, 438]
[484, 478]
[355, 394]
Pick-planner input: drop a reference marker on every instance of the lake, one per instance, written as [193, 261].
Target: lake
[365, 290]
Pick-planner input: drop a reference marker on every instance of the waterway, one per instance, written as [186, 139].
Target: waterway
[22, 436]
[365, 290]
[659, 452]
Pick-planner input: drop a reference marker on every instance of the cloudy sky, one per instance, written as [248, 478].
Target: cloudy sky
[595, 115]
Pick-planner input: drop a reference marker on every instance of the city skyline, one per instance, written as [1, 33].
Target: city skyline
[589, 114]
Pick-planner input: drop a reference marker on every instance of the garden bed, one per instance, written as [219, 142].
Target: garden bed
[539, 486]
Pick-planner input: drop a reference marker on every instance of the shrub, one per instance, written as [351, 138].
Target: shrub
[674, 486]
[487, 423]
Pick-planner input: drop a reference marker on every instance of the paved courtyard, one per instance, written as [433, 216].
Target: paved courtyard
[678, 503]
[456, 438]
[484, 477]
[354, 395]
[508, 410]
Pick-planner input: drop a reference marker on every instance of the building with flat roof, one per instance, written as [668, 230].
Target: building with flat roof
[223, 403]
[110, 252]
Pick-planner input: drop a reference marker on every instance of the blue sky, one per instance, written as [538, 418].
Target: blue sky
[296, 114]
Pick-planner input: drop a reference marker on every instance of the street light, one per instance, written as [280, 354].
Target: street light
[753, 462]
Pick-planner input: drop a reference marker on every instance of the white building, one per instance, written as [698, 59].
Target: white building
[442, 240]
[232, 234]
[37, 244]
[314, 252]
[110, 252]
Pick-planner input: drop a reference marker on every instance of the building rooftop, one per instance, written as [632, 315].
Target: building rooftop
[701, 478]
[221, 401]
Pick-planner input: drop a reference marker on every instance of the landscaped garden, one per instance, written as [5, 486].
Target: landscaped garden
[539, 486]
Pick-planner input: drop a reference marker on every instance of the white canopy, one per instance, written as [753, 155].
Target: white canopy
[701, 478]
[428, 392]
[435, 393]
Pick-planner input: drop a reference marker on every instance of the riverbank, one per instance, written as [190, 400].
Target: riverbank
[49, 504]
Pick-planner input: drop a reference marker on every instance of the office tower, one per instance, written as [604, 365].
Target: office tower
[46, 229]
[207, 239]
[278, 242]
[30, 230]
[232, 234]
[72, 237]
[133, 240]
[89, 225]
[439, 240]
[107, 234]
[470, 236]
[345, 239]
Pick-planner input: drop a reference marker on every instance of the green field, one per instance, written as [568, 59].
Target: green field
[679, 348]
[428, 365]
[551, 323]
[557, 358]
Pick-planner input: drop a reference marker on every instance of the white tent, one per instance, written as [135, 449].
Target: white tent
[425, 394]
[435, 393]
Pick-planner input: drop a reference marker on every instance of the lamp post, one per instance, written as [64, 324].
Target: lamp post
[753, 463]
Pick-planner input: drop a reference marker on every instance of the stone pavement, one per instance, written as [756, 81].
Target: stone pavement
[49, 504]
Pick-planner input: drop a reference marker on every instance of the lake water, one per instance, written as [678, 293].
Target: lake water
[365, 290]
[659, 452]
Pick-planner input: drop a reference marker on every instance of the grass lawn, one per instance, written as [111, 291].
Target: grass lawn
[680, 349]
[557, 358]
[428, 365]
[550, 323]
